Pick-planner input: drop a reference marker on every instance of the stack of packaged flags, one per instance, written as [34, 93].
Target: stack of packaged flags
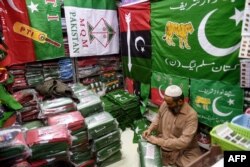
[90, 102]
[18, 71]
[88, 67]
[66, 70]
[56, 106]
[80, 150]
[50, 70]
[13, 147]
[34, 73]
[105, 135]
[111, 107]
[29, 99]
[130, 107]
[50, 142]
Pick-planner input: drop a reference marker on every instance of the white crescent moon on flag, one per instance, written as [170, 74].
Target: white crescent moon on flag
[160, 93]
[216, 111]
[207, 46]
[13, 6]
[137, 40]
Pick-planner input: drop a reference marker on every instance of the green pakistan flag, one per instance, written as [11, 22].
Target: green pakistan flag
[45, 16]
[197, 39]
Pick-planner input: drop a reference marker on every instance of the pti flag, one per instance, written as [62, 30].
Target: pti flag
[20, 48]
[197, 39]
[216, 102]
[136, 40]
[45, 28]
[160, 81]
[92, 27]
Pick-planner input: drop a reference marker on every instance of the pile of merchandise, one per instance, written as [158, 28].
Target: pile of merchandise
[129, 107]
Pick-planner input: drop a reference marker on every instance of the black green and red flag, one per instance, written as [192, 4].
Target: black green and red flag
[136, 40]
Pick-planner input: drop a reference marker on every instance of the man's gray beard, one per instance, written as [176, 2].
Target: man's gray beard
[176, 110]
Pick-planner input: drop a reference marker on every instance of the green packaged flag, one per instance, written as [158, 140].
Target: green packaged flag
[150, 154]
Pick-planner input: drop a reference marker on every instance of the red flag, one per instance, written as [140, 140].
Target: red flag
[20, 48]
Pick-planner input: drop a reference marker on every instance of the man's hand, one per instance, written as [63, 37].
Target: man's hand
[152, 139]
[146, 133]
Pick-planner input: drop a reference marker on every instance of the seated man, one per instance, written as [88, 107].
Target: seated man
[176, 125]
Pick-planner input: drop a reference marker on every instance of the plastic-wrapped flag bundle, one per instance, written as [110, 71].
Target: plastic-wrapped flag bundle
[150, 154]
[65, 69]
[56, 106]
[12, 145]
[100, 124]
[48, 142]
[29, 99]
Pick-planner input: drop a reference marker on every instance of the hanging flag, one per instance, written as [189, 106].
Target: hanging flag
[216, 102]
[45, 28]
[136, 40]
[20, 49]
[92, 27]
[197, 39]
[160, 81]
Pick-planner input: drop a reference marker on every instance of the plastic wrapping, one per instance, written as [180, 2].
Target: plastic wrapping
[106, 140]
[100, 124]
[108, 151]
[48, 142]
[72, 120]
[56, 106]
[12, 144]
[150, 154]
[89, 105]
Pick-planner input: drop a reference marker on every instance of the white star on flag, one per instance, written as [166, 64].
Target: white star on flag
[238, 16]
[33, 7]
[230, 102]
[118, 95]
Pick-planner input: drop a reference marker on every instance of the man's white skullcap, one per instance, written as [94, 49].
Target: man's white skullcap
[173, 91]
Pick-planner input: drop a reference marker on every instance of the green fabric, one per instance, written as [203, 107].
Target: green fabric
[6, 116]
[141, 69]
[100, 123]
[216, 102]
[161, 81]
[108, 151]
[89, 105]
[8, 100]
[123, 98]
[139, 127]
[81, 156]
[212, 52]
[95, 4]
[39, 19]
[33, 125]
[114, 158]
[145, 92]
[106, 140]
[79, 138]
[52, 149]
[149, 154]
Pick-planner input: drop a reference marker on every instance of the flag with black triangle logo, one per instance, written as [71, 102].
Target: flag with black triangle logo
[92, 27]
